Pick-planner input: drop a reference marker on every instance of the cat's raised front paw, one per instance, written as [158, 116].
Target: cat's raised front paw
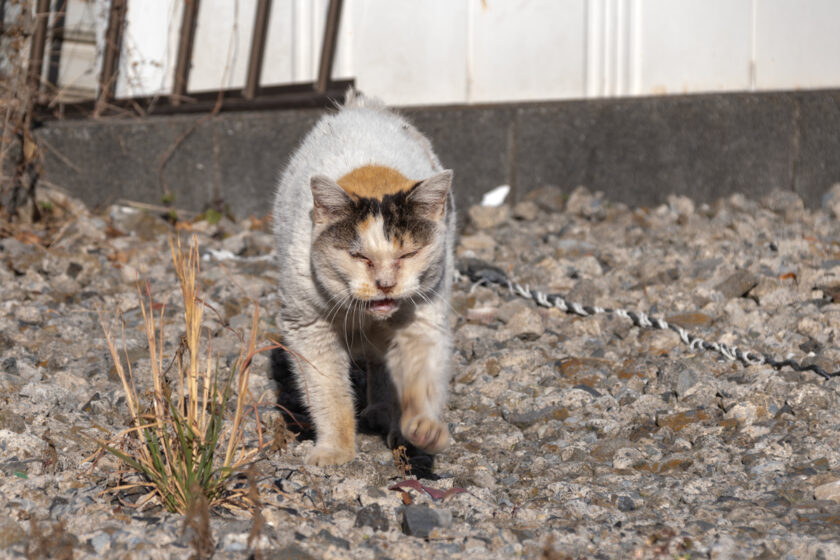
[323, 455]
[426, 433]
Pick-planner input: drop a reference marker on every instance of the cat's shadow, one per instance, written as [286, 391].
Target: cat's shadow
[290, 402]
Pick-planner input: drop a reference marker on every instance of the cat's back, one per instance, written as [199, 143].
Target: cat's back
[362, 134]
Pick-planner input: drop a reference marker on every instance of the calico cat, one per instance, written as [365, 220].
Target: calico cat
[364, 223]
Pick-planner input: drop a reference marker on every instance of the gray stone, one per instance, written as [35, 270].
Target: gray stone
[486, 217]
[12, 421]
[372, 516]
[831, 201]
[290, 552]
[782, 201]
[550, 198]
[526, 324]
[624, 503]
[686, 379]
[10, 366]
[333, 540]
[528, 418]
[420, 521]
[526, 210]
[828, 491]
[737, 284]
[585, 204]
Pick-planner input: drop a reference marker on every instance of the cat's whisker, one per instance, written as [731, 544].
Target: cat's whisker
[446, 301]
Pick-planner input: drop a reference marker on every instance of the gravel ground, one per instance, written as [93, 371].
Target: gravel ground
[573, 437]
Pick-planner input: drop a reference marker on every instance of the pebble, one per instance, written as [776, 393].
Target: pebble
[828, 491]
[420, 521]
[372, 516]
[486, 217]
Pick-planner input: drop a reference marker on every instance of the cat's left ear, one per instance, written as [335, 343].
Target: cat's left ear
[330, 201]
[430, 195]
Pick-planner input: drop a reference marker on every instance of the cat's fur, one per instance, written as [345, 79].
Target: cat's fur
[364, 222]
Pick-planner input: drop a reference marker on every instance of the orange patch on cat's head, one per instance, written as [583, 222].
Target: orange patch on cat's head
[374, 181]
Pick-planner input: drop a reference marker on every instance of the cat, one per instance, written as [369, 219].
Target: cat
[364, 222]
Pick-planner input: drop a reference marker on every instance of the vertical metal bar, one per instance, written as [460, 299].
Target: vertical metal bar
[111, 58]
[185, 47]
[56, 43]
[36, 50]
[255, 59]
[328, 46]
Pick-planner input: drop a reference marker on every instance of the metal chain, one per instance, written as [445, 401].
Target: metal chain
[481, 273]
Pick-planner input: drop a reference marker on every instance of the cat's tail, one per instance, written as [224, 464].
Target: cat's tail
[355, 99]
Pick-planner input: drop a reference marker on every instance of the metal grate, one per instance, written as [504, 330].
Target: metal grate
[253, 95]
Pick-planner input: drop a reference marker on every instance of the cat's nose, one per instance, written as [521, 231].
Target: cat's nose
[384, 286]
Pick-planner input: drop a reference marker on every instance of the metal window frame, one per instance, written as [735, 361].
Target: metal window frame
[253, 96]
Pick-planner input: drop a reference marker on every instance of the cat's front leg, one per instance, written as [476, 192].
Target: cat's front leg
[322, 371]
[419, 361]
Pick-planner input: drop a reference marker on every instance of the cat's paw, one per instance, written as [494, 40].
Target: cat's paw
[323, 455]
[426, 433]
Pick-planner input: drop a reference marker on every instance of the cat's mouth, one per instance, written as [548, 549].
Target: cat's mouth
[383, 306]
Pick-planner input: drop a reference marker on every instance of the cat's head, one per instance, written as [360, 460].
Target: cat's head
[377, 248]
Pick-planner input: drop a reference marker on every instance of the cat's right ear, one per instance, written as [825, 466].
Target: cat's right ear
[330, 200]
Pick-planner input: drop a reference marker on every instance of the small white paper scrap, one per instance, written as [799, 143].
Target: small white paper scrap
[496, 196]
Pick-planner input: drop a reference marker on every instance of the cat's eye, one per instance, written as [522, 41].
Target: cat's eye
[409, 255]
[361, 257]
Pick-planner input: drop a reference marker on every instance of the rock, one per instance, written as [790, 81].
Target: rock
[782, 201]
[10, 532]
[586, 205]
[737, 284]
[526, 210]
[831, 201]
[10, 366]
[527, 419]
[680, 420]
[480, 246]
[332, 540]
[486, 217]
[290, 552]
[526, 324]
[772, 292]
[420, 521]
[549, 197]
[101, 543]
[681, 205]
[12, 421]
[627, 458]
[828, 491]
[624, 503]
[372, 516]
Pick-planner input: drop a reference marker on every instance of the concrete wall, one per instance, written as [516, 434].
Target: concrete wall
[635, 150]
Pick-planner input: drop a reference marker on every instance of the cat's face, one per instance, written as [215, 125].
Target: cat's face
[380, 251]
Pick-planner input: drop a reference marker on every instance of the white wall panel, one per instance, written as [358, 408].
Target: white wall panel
[149, 46]
[526, 49]
[797, 44]
[694, 45]
[411, 52]
[222, 44]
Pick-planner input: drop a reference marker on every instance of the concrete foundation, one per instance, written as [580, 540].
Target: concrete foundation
[636, 150]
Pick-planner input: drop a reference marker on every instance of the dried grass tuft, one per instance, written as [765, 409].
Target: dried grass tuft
[181, 442]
